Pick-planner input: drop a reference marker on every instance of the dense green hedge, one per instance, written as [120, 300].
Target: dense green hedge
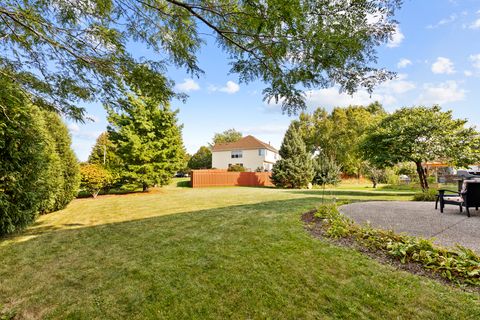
[38, 170]
[461, 265]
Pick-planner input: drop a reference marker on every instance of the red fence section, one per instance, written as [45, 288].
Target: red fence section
[222, 178]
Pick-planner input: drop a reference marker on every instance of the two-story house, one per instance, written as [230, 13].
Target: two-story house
[249, 152]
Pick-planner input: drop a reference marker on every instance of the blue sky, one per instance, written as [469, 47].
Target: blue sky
[436, 53]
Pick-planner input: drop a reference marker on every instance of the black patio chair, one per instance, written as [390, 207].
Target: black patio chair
[468, 197]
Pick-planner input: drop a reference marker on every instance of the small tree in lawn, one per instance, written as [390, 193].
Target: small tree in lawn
[374, 173]
[94, 178]
[295, 168]
[147, 140]
[326, 171]
[418, 135]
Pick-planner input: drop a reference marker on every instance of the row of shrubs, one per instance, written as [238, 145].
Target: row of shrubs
[460, 266]
[38, 168]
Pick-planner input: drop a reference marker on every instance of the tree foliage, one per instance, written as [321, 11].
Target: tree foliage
[147, 140]
[420, 134]
[295, 168]
[338, 134]
[202, 159]
[65, 174]
[94, 177]
[104, 153]
[326, 171]
[230, 135]
[37, 168]
[375, 174]
[61, 52]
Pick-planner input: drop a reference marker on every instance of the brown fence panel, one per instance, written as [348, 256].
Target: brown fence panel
[222, 178]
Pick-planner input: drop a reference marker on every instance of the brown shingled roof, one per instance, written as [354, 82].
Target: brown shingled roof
[246, 143]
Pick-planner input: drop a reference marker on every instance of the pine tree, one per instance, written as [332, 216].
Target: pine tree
[148, 141]
[295, 168]
[25, 159]
[65, 171]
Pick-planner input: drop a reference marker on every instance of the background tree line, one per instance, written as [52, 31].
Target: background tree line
[367, 141]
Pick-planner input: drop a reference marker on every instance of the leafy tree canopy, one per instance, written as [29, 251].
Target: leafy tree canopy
[147, 140]
[62, 52]
[104, 153]
[337, 135]
[421, 134]
[230, 135]
[202, 159]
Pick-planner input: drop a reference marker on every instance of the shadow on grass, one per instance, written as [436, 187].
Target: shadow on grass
[183, 184]
[252, 260]
[39, 228]
[339, 192]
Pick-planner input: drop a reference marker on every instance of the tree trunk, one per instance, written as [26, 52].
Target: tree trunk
[374, 183]
[422, 176]
[145, 187]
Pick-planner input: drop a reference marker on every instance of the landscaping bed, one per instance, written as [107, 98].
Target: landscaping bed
[459, 267]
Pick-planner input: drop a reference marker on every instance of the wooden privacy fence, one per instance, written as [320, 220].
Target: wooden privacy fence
[222, 178]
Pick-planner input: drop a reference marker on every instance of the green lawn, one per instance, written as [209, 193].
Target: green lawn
[182, 253]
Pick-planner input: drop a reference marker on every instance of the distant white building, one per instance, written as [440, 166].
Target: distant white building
[248, 152]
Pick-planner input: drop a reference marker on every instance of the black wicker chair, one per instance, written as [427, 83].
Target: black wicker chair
[468, 197]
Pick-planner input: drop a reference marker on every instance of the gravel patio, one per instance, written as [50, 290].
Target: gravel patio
[420, 219]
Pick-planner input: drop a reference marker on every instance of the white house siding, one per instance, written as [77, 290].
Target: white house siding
[251, 159]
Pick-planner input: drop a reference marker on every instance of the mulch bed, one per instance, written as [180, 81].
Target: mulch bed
[315, 227]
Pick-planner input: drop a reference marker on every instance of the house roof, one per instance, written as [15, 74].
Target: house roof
[246, 143]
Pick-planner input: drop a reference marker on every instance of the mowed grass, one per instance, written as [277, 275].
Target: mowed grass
[181, 253]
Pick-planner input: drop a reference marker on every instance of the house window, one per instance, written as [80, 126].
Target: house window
[237, 154]
[261, 152]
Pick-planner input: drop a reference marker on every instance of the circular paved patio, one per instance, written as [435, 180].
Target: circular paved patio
[420, 219]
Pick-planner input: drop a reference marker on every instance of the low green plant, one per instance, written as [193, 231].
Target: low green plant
[429, 195]
[236, 168]
[460, 265]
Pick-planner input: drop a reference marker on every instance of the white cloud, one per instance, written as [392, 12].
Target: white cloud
[396, 39]
[386, 93]
[468, 73]
[475, 24]
[188, 85]
[73, 128]
[445, 92]
[475, 59]
[442, 22]
[230, 87]
[396, 86]
[403, 63]
[443, 65]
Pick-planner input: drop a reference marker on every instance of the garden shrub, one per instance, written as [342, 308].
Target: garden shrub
[24, 165]
[460, 265]
[94, 178]
[64, 176]
[38, 170]
[429, 195]
[236, 168]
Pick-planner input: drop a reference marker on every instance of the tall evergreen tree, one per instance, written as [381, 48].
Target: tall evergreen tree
[65, 168]
[24, 160]
[104, 153]
[148, 141]
[295, 168]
